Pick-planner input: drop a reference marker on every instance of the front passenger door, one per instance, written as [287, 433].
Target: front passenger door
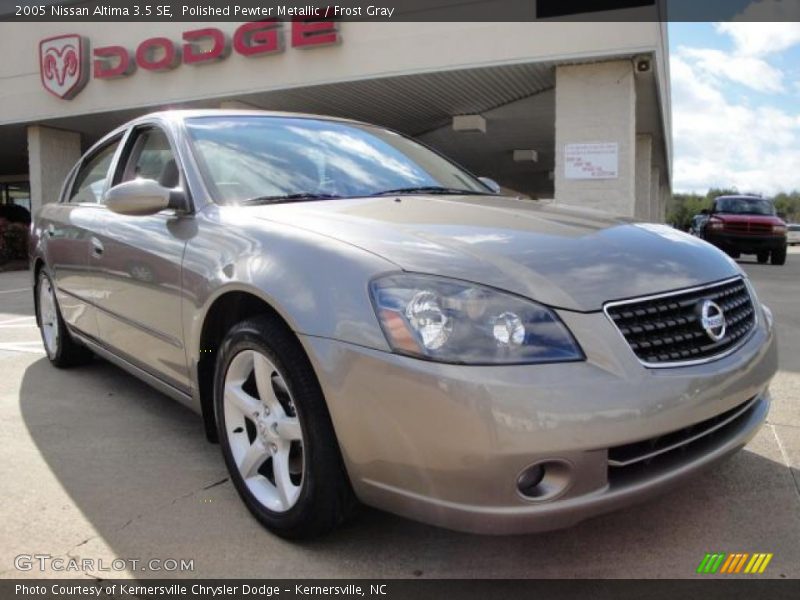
[138, 273]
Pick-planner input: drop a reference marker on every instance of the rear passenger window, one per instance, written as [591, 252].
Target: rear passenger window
[91, 178]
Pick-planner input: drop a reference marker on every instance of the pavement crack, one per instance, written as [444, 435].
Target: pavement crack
[216, 483]
[786, 460]
[172, 502]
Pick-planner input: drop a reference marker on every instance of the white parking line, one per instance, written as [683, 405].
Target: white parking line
[16, 320]
[14, 291]
[31, 347]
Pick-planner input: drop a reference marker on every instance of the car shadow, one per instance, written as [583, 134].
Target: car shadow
[139, 469]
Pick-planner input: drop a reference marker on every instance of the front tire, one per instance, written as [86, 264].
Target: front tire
[275, 432]
[779, 256]
[61, 348]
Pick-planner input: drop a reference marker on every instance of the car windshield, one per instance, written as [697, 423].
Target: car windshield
[265, 158]
[745, 206]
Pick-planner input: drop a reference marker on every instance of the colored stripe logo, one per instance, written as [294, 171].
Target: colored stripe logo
[736, 562]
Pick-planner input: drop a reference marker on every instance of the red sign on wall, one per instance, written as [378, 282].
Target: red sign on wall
[62, 65]
[63, 60]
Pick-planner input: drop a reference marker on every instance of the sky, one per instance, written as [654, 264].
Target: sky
[735, 106]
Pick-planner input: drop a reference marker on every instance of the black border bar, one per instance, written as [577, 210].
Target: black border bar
[399, 10]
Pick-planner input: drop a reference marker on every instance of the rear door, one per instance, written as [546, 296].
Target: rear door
[68, 227]
[138, 269]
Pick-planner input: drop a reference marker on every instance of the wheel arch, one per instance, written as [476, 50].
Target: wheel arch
[227, 308]
[38, 265]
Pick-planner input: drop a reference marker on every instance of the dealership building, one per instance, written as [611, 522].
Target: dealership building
[572, 112]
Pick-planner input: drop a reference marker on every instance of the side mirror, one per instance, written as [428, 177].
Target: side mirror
[142, 197]
[491, 184]
[781, 215]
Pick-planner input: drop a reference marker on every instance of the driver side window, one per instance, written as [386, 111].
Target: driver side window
[151, 157]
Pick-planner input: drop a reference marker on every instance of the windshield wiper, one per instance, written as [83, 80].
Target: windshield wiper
[288, 198]
[431, 189]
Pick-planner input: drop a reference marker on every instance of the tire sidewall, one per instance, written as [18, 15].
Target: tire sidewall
[245, 337]
[61, 330]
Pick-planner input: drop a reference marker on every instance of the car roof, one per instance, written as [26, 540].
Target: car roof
[183, 114]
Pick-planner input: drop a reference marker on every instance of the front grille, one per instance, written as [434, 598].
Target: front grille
[646, 451]
[634, 462]
[748, 227]
[667, 330]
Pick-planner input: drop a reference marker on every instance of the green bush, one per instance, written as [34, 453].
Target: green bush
[682, 207]
[13, 241]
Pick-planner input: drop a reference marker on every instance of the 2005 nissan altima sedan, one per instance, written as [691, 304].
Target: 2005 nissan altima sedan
[356, 318]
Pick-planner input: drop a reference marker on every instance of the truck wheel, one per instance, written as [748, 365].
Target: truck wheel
[762, 257]
[779, 256]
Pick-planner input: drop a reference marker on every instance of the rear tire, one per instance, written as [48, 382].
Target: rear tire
[762, 257]
[779, 256]
[61, 348]
[275, 432]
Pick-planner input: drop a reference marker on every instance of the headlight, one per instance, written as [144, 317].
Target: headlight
[458, 322]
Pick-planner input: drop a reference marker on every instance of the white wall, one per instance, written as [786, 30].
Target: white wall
[367, 50]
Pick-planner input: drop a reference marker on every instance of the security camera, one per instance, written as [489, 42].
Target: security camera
[642, 64]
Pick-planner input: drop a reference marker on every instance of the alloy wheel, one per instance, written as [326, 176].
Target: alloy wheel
[263, 431]
[48, 315]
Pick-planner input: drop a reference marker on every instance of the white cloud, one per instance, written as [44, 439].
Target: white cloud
[750, 71]
[760, 39]
[722, 142]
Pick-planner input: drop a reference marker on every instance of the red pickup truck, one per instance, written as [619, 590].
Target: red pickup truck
[747, 225]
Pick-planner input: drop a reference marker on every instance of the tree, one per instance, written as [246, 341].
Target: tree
[682, 207]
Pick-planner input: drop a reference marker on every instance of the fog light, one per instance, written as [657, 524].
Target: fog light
[545, 480]
[529, 479]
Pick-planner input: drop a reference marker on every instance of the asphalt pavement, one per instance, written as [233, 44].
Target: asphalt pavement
[96, 465]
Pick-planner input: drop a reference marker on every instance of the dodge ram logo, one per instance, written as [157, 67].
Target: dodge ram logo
[713, 320]
[63, 65]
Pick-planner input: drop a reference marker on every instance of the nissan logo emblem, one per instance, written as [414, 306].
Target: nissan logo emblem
[712, 319]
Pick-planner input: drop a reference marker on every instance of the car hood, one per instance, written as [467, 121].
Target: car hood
[566, 258]
[737, 218]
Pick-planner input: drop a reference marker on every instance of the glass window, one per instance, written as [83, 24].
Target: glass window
[92, 175]
[251, 157]
[151, 158]
[741, 205]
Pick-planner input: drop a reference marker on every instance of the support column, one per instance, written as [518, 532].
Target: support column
[51, 155]
[664, 197]
[596, 103]
[644, 182]
[655, 196]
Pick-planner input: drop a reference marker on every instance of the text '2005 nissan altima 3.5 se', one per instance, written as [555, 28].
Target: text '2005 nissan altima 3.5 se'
[356, 318]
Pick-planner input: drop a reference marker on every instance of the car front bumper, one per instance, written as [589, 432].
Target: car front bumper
[446, 444]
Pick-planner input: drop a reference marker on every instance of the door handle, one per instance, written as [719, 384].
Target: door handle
[97, 247]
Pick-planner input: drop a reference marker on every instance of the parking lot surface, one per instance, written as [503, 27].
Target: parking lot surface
[96, 465]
